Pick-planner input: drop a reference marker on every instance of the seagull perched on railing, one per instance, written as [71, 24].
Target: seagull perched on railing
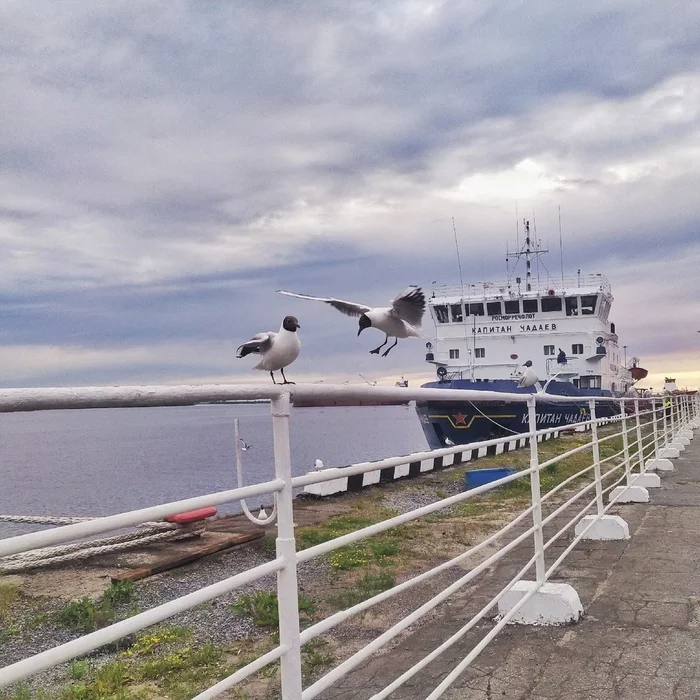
[402, 319]
[278, 350]
[529, 377]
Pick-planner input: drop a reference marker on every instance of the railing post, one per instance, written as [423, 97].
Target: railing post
[625, 444]
[654, 420]
[640, 448]
[673, 417]
[287, 591]
[596, 458]
[535, 490]
[666, 415]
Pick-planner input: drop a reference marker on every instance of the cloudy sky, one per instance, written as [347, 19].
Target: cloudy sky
[166, 166]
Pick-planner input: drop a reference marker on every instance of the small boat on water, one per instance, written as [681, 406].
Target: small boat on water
[485, 332]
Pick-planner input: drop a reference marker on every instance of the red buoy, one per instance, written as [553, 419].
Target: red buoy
[192, 516]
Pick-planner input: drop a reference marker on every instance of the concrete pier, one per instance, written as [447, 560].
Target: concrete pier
[639, 638]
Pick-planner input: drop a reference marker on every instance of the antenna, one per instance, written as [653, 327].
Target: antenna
[561, 251]
[459, 260]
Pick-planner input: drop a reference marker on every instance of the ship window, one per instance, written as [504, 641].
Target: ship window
[476, 309]
[571, 306]
[493, 308]
[549, 349]
[479, 352]
[551, 303]
[454, 354]
[530, 306]
[588, 305]
[441, 314]
[456, 310]
[612, 327]
[592, 382]
[513, 307]
[577, 349]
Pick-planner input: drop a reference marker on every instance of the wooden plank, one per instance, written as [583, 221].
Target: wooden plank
[190, 555]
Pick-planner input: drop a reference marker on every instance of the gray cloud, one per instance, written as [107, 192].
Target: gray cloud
[166, 166]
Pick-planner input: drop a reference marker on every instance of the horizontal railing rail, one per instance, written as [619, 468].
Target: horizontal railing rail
[644, 430]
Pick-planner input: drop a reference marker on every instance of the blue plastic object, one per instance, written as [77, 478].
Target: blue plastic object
[479, 477]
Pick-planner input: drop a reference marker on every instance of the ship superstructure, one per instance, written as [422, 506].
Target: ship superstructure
[486, 331]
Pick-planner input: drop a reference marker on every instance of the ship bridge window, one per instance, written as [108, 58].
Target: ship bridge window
[441, 314]
[476, 309]
[571, 306]
[588, 305]
[551, 303]
[493, 308]
[549, 349]
[456, 310]
[577, 349]
[454, 354]
[513, 307]
[530, 306]
[479, 352]
[592, 382]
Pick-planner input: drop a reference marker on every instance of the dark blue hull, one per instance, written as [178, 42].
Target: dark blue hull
[472, 421]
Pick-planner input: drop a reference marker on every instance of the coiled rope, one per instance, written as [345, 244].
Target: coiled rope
[148, 533]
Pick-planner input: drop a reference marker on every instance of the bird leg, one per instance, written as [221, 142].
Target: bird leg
[273, 378]
[285, 378]
[386, 352]
[376, 350]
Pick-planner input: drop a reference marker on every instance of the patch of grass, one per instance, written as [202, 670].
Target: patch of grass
[471, 508]
[87, 615]
[21, 692]
[155, 640]
[119, 592]
[8, 595]
[262, 608]
[369, 585]
[108, 681]
[370, 550]
[78, 669]
[269, 545]
[314, 657]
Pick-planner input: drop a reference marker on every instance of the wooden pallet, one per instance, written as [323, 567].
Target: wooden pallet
[209, 543]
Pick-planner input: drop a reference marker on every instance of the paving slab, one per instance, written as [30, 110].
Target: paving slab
[639, 638]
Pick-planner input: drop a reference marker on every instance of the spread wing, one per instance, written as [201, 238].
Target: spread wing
[409, 306]
[259, 344]
[349, 308]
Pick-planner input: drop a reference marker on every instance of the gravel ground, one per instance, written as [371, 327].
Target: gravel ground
[214, 622]
[411, 498]
[211, 622]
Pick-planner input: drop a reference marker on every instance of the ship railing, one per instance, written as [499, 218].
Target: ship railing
[506, 290]
[622, 453]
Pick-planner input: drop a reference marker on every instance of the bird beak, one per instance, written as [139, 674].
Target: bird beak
[360, 331]
[298, 326]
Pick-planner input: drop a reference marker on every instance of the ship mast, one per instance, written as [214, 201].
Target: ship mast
[528, 251]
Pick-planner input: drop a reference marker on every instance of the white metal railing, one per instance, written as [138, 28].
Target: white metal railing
[653, 425]
[479, 290]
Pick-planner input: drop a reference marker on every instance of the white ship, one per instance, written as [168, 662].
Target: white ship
[484, 333]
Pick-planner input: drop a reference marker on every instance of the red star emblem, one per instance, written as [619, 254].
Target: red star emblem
[460, 418]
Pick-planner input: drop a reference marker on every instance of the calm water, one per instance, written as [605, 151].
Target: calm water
[102, 461]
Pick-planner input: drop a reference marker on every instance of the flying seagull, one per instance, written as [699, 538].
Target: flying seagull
[529, 377]
[278, 350]
[400, 320]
